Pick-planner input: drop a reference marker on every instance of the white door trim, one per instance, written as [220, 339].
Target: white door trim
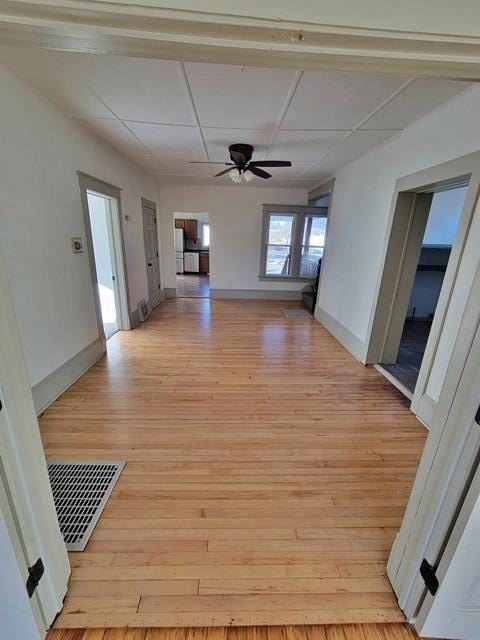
[94, 185]
[21, 617]
[24, 466]
[410, 191]
[446, 463]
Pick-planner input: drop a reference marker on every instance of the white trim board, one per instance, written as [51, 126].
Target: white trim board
[396, 383]
[50, 388]
[346, 338]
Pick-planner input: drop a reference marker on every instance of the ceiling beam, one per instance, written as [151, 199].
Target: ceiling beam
[195, 30]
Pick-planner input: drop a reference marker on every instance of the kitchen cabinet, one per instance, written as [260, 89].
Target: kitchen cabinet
[204, 262]
[191, 229]
[179, 223]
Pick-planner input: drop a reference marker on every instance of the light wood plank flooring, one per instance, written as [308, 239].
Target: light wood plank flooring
[267, 473]
[392, 631]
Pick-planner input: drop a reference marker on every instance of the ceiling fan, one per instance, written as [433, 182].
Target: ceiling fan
[242, 165]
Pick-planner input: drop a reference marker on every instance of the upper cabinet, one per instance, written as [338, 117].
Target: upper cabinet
[191, 229]
[179, 223]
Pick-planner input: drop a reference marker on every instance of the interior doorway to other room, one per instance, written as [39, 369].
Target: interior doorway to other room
[105, 247]
[438, 239]
[192, 254]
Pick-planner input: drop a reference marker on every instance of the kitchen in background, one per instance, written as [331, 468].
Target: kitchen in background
[192, 254]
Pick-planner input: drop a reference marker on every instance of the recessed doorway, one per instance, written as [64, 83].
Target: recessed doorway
[439, 236]
[192, 254]
[104, 240]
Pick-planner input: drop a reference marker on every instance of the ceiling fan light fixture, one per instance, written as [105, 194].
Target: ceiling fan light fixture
[235, 175]
[248, 175]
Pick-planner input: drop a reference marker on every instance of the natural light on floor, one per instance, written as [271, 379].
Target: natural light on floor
[107, 303]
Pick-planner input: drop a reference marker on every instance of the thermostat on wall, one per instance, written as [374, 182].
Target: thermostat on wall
[77, 245]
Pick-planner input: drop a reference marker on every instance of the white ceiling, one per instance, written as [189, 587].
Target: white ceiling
[164, 114]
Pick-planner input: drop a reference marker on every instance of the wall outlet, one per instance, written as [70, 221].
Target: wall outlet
[77, 245]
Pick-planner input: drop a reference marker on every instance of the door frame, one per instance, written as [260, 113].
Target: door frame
[113, 194]
[148, 204]
[409, 211]
[445, 471]
[14, 565]
[24, 468]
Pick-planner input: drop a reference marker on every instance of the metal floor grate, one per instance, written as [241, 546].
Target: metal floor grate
[293, 314]
[80, 491]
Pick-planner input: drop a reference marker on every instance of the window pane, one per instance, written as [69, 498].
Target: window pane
[206, 235]
[280, 229]
[314, 231]
[309, 261]
[278, 260]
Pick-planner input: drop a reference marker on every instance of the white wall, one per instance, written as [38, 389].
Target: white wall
[235, 215]
[41, 150]
[362, 198]
[444, 217]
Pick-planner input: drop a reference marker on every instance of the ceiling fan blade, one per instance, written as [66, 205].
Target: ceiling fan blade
[271, 163]
[222, 173]
[259, 172]
[201, 162]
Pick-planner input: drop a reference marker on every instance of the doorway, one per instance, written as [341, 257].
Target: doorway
[403, 360]
[104, 239]
[192, 254]
[103, 251]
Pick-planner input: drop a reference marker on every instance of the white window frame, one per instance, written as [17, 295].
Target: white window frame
[299, 214]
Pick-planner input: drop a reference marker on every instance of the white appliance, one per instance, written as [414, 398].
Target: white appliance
[191, 262]
[179, 243]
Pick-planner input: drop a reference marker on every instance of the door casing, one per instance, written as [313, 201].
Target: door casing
[94, 185]
[410, 205]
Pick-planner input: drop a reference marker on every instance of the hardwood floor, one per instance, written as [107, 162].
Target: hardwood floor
[193, 285]
[267, 474]
[307, 632]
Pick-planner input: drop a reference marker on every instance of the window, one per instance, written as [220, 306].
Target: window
[205, 235]
[293, 240]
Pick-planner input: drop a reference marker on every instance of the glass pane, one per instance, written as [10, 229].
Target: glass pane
[314, 231]
[309, 261]
[280, 229]
[278, 260]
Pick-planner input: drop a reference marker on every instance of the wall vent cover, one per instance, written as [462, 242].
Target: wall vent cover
[294, 314]
[80, 492]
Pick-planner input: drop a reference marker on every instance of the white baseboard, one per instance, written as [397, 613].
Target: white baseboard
[342, 334]
[50, 388]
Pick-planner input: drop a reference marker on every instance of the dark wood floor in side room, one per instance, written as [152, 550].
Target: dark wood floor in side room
[193, 285]
[267, 473]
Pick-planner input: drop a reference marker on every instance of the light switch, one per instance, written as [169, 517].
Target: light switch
[77, 245]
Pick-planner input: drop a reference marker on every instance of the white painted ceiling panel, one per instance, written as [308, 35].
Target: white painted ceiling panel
[421, 97]
[356, 145]
[116, 134]
[170, 141]
[135, 88]
[304, 146]
[185, 168]
[148, 110]
[41, 70]
[330, 100]
[238, 97]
